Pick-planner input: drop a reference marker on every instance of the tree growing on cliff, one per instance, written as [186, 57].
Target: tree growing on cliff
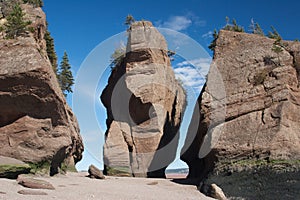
[16, 24]
[213, 44]
[51, 50]
[274, 34]
[233, 27]
[65, 76]
[255, 28]
[129, 20]
[35, 3]
[118, 55]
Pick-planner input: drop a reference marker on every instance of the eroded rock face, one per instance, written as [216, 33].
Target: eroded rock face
[253, 117]
[145, 105]
[36, 124]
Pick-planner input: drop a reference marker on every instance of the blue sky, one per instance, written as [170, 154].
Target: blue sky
[80, 26]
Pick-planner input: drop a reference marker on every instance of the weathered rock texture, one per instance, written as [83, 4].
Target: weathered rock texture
[253, 117]
[145, 105]
[36, 124]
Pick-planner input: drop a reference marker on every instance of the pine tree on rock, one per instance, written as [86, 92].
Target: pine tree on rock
[51, 50]
[129, 20]
[16, 25]
[65, 76]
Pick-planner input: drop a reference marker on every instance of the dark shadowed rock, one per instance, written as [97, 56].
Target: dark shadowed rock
[145, 105]
[36, 124]
[96, 173]
[11, 168]
[32, 192]
[247, 119]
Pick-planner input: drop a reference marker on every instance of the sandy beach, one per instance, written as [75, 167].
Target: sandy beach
[77, 186]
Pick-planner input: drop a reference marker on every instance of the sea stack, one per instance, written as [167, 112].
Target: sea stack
[247, 132]
[145, 106]
[36, 124]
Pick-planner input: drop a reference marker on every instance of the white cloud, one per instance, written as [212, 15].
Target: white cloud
[208, 35]
[192, 73]
[177, 23]
[201, 65]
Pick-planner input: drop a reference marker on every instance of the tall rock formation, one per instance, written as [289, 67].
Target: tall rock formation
[248, 116]
[145, 105]
[36, 124]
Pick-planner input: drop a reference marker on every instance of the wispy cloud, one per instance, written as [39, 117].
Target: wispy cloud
[181, 22]
[177, 23]
[208, 35]
[192, 73]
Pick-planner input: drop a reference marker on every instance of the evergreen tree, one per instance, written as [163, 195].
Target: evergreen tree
[129, 20]
[213, 44]
[51, 50]
[236, 27]
[274, 34]
[171, 54]
[16, 25]
[233, 27]
[65, 77]
[255, 28]
[258, 30]
[117, 57]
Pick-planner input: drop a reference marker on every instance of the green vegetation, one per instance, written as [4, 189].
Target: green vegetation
[65, 76]
[213, 44]
[51, 51]
[67, 168]
[274, 34]
[171, 55]
[16, 25]
[35, 3]
[119, 171]
[233, 27]
[117, 57]
[40, 167]
[129, 20]
[278, 48]
[64, 73]
[12, 171]
[246, 164]
[255, 28]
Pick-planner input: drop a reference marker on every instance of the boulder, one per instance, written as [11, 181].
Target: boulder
[246, 120]
[145, 105]
[34, 183]
[96, 173]
[36, 124]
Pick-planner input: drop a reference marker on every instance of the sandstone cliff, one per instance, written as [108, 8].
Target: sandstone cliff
[36, 124]
[248, 116]
[145, 105]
